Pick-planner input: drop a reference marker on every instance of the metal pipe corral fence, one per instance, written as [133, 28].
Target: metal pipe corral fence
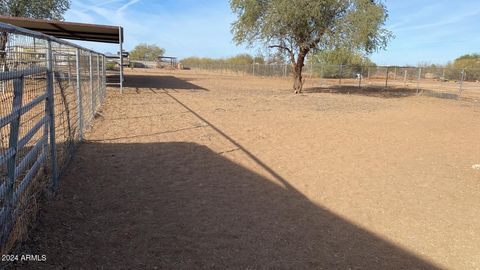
[50, 91]
[440, 81]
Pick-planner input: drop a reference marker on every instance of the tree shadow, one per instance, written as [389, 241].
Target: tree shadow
[370, 91]
[179, 205]
[380, 92]
[159, 82]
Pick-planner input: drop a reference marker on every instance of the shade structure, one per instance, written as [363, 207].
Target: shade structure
[69, 30]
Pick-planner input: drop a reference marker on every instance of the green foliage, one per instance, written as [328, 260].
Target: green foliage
[146, 52]
[341, 57]
[468, 61]
[301, 26]
[328, 62]
[471, 64]
[38, 9]
[311, 24]
[241, 59]
[111, 65]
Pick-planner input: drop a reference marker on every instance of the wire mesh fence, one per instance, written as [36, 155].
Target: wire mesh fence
[50, 91]
[441, 81]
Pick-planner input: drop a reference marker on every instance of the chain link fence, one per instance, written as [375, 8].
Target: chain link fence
[436, 81]
[50, 91]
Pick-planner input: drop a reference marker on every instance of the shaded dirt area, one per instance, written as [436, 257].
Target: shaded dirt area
[195, 171]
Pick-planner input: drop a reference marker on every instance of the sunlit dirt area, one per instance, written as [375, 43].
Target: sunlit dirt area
[193, 170]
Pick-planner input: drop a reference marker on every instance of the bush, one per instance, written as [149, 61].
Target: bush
[111, 65]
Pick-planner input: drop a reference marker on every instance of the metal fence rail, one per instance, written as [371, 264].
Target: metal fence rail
[50, 90]
[422, 80]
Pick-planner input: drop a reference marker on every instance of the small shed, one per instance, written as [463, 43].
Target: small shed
[167, 62]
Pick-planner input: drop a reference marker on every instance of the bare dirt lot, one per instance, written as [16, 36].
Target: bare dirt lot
[188, 171]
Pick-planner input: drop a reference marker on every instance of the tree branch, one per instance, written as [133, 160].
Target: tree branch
[290, 52]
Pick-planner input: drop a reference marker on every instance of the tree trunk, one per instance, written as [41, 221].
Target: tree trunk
[297, 73]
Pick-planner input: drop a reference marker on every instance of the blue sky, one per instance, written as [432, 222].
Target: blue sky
[432, 31]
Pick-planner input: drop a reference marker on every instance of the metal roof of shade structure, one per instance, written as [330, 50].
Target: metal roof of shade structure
[69, 30]
[74, 31]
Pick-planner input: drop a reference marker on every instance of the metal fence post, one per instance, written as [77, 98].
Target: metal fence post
[360, 77]
[51, 114]
[11, 163]
[386, 80]
[98, 93]
[322, 73]
[341, 72]
[253, 69]
[418, 79]
[79, 94]
[405, 78]
[311, 70]
[120, 33]
[69, 71]
[92, 99]
[104, 77]
[462, 77]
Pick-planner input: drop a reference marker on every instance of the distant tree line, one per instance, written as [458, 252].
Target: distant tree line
[241, 59]
[468, 63]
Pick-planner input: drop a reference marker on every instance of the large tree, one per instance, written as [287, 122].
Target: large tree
[301, 26]
[146, 52]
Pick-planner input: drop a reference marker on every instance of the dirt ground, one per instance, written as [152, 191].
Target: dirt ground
[195, 171]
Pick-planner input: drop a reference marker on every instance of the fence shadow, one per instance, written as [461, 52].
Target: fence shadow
[180, 205]
[371, 91]
[156, 81]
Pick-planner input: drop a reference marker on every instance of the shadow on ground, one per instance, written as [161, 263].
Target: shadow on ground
[159, 82]
[364, 91]
[179, 205]
[381, 92]
[182, 206]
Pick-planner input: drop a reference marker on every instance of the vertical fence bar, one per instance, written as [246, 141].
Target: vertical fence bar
[322, 74]
[340, 75]
[360, 77]
[418, 79]
[51, 115]
[69, 70]
[311, 70]
[104, 78]
[92, 100]
[79, 94]
[11, 163]
[405, 78]
[462, 77]
[386, 81]
[120, 33]
[98, 98]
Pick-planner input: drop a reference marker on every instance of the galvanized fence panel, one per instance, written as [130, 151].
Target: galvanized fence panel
[438, 81]
[47, 99]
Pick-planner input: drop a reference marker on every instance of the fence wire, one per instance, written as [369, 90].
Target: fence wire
[50, 91]
[441, 81]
